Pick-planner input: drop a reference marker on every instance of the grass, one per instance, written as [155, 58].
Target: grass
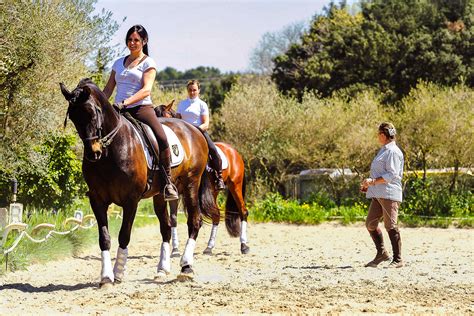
[57, 246]
[276, 209]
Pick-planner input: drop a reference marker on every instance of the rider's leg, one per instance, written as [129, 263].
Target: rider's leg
[146, 114]
[216, 162]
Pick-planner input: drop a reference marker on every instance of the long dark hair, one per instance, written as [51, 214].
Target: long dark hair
[143, 34]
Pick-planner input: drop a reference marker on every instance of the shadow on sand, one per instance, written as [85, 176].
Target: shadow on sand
[28, 288]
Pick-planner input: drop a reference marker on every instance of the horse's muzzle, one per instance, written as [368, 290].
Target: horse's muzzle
[95, 151]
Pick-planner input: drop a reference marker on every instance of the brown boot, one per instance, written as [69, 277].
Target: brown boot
[382, 254]
[396, 241]
[170, 191]
[220, 185]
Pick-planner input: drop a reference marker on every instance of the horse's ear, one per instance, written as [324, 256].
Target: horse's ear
[66, 93]
[170, 105]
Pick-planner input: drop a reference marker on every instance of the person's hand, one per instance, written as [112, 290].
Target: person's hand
[366, 183]
[119, 106]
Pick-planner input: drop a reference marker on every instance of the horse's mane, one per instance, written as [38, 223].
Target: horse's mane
[93, 87]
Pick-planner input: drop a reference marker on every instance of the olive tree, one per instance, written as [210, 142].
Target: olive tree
[42, 43]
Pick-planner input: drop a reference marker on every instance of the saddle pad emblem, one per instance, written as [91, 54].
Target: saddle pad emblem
[175, 149]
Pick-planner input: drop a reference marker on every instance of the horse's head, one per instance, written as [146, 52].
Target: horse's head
[165, 110]
[85, 111]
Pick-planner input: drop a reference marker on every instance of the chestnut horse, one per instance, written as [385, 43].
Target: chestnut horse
[235, 210]
[115, 170]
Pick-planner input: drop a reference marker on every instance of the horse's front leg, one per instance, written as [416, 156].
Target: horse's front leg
[129, 212]
[191, 197]
[164, 265]
[100, 212]
[174, 228]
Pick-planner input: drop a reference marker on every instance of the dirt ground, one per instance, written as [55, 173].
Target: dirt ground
[290, 270]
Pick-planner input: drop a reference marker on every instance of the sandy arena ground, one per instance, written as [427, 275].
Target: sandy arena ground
[290, 270]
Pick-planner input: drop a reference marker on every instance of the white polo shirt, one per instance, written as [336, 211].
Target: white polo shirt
[130, 80]
[191, 110]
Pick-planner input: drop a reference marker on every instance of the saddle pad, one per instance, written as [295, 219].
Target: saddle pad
[225, 162]
[177, 150]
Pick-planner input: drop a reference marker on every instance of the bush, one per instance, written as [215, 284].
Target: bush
[431, 197]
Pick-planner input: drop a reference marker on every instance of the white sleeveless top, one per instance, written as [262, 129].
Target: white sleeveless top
[130, 80]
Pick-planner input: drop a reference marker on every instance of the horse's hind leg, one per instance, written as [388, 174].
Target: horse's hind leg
[100, 212]
[194, 224]
[237, 193]
[216, 217]
[164, 265]
[129, 211]
[174, 228]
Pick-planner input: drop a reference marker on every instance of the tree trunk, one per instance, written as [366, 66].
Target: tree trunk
[455, 177]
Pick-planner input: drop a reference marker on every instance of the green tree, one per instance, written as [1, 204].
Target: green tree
[435, 126]
[42, 43]
[169, 73]
[389, 45]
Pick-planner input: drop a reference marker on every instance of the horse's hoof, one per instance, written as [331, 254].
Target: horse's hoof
[207, 251]
[244, 249]
[161, 276]
[117, 281]
[106, 284]
[175, 253]
[187, 274]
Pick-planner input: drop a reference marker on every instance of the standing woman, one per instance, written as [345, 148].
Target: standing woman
[196, 112]
[384, 187]
[134, 76]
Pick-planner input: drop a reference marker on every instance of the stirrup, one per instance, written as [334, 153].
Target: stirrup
[170, 196]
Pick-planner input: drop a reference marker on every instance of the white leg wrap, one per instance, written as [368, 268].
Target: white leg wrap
[243, 232]
[187, 258]
[212, 238]
[106, 266]
[120, 263]
[165, 260]
[174, 237]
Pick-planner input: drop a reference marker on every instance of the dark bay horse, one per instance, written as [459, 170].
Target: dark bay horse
[115, 170]
[235, 210]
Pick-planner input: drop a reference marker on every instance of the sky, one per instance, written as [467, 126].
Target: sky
[185, 34]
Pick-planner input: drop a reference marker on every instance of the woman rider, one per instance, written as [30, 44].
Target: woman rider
[134, 76]
[196, 112]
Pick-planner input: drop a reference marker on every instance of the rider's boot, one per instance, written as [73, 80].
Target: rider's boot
[220, 185]
[170, 191]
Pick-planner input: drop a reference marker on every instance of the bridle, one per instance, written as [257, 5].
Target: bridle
[107, 139]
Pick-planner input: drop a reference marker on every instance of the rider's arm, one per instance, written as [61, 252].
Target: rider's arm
[205, 122]
[109, 87]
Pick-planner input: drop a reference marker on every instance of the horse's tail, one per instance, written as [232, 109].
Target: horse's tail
[207, 203]
[232, 213]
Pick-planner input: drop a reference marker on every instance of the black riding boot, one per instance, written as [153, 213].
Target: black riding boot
[220, 185]
[396, 241]
[170, 191]
[382, 254]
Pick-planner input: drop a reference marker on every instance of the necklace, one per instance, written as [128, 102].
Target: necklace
[132, 61]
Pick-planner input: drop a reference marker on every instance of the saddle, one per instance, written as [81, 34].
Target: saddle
[225, 162]
[150, 145]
